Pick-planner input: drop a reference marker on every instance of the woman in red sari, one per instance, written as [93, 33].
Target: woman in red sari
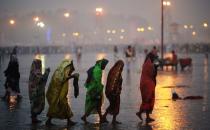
[147, 87]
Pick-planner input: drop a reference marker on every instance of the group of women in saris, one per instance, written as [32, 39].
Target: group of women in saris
[58, 89]
[56, 93]
[95, 87]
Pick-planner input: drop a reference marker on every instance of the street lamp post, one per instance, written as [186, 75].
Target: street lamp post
[162, 28]
[163, 3]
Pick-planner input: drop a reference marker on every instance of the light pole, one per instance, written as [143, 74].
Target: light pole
[162, 27]
[163, 3]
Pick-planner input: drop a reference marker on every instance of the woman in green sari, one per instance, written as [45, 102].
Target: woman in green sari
[57, 93]
[37, 82]
[94, 87]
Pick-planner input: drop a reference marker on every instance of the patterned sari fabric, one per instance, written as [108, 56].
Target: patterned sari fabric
[94, 87]
[147, 85]
[113, 87]
[58, 90]
[37, 83]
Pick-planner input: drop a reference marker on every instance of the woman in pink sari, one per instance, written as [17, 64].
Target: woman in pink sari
[147, 87]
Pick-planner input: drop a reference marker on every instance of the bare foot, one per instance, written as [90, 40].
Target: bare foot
[104, 120]
[48, 123]
[35, 121]
[139, 115]
[149, 119]
[84, 119]
[71, 123]
[116, 122]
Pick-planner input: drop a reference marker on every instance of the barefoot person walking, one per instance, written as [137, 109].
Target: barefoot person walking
[37, 82]
[94, 87]
[57, 93]
[113, 91]
[147, 87]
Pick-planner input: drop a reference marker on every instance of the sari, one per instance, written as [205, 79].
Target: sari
[94, 87]
[114, 87]
[58, 90]
[12, 75]
[37, 83]
[147, 84]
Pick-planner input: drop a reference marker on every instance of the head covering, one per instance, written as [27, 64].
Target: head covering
[14, 51]
[102, 63]
[172, 51]
[36, 67]
[13, 55]
[151, 56]
[61, 68]
[119, 65]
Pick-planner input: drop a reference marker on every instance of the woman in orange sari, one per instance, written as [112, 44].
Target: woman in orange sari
[147, 87]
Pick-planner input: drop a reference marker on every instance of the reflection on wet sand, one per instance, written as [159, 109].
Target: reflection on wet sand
[168, 114]
[164, 113]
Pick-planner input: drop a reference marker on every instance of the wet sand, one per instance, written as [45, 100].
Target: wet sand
[168, 114]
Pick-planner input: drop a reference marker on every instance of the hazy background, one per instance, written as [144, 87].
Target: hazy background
[117, 14]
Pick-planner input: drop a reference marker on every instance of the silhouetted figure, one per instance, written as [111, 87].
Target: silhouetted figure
[115, 52]
[12, 75]
[37, 82]
[206, 55]
[79, 53]
[184, 62]
[174, 60]
[154, 51]
[129, 56]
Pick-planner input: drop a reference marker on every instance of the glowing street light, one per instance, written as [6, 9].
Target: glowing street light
[185, 27]
[191, 26]
[99, 11]
[66, 15]
[113, 31]
[121, 37]
[41, 24]
[122, 30]
[205, 24]
[110, 39]
[63, 34]
[76, 34]
[36, 19]
[108, 31]
[149, 28]
[11, 22]
[140, 29]
[193, 33]
[166, 3]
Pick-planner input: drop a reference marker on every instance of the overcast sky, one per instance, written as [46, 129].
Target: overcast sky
[182, 11]
[191, 12]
